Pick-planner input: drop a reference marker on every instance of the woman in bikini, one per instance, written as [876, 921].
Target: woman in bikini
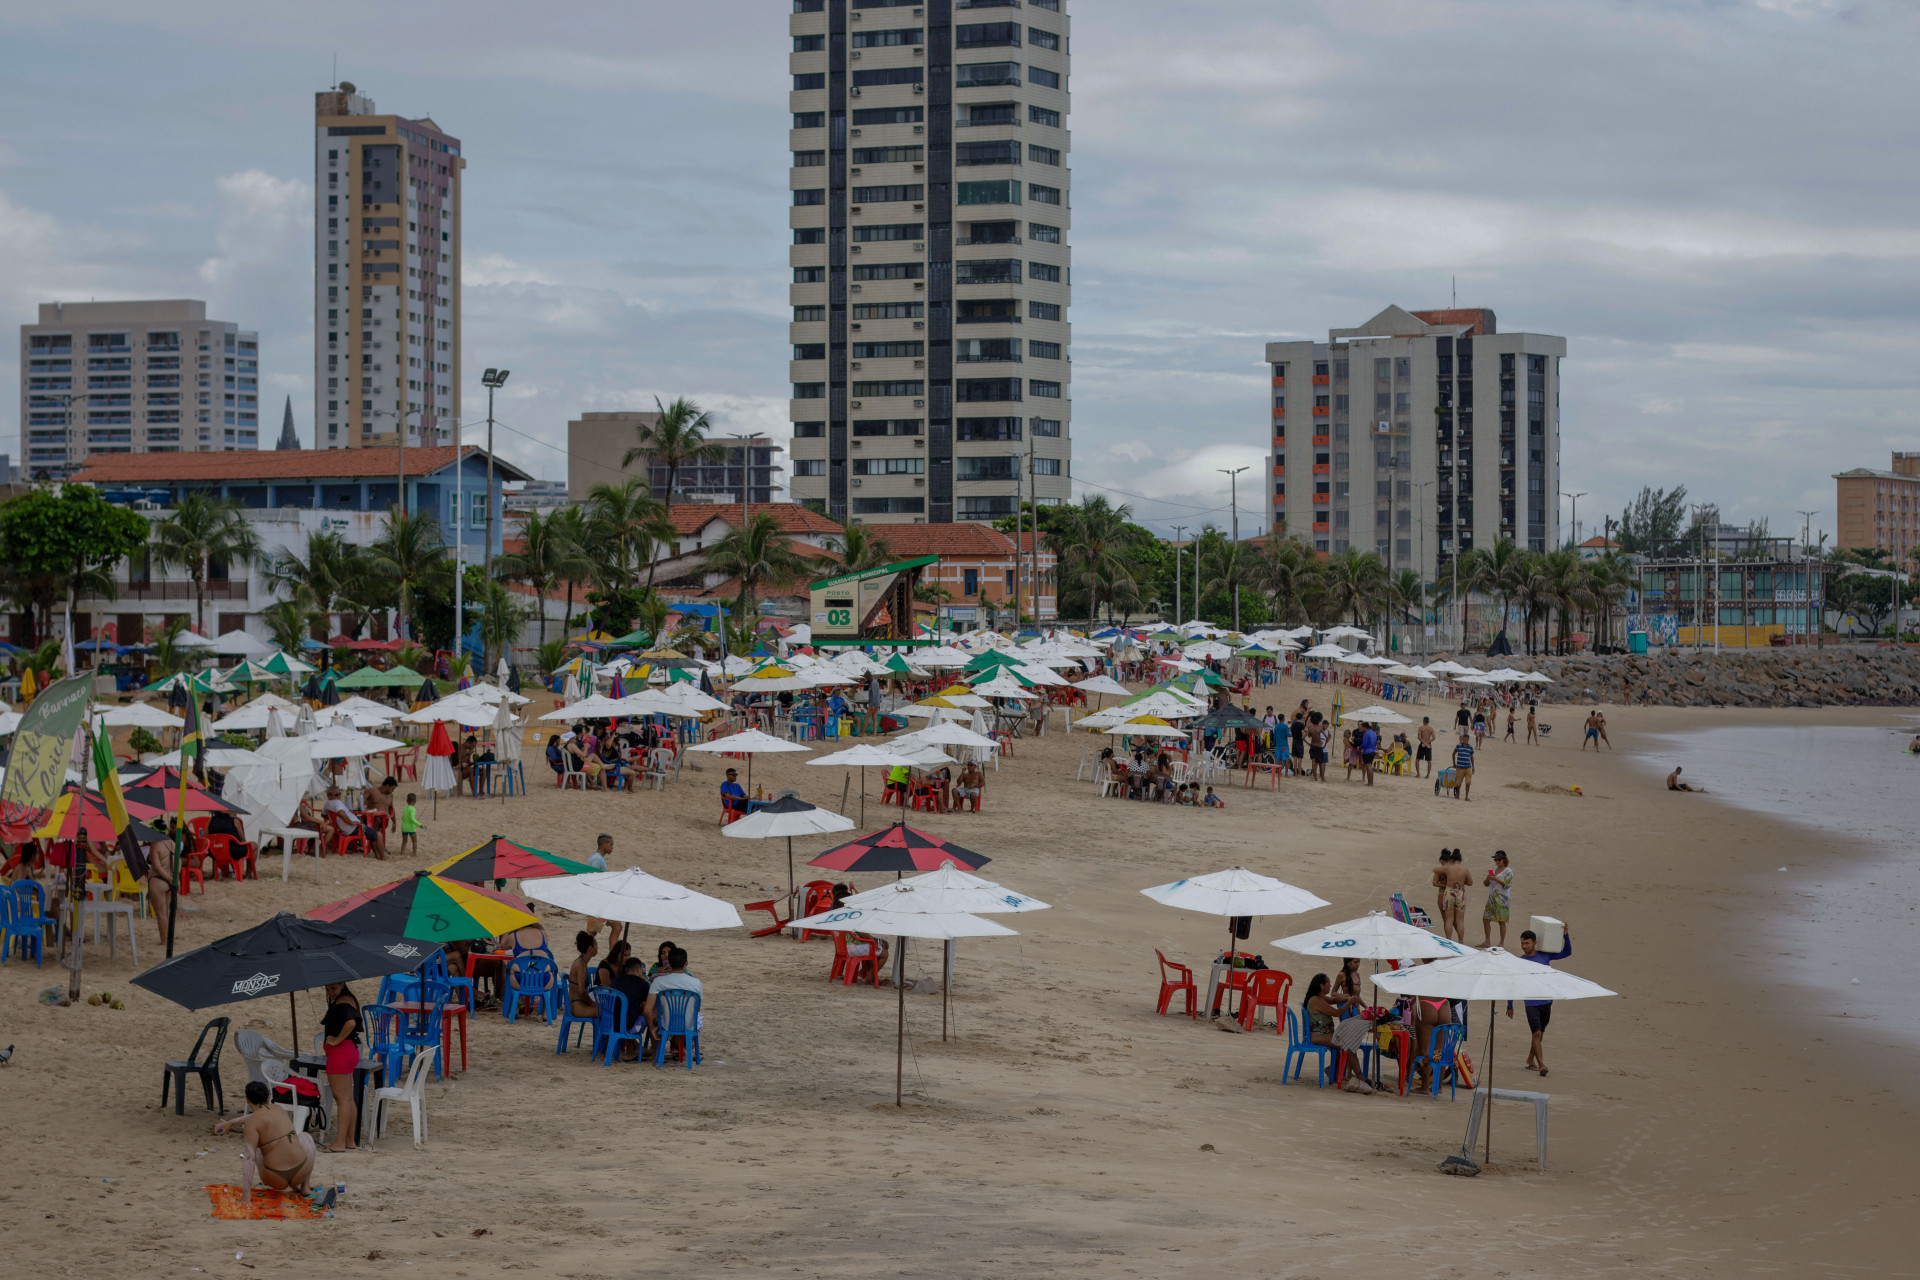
[1346, 983]
[281, 1157]
[342, 1028]
[1427, 1014]
[1322, 1009]
[1450, 879]
[580, 976]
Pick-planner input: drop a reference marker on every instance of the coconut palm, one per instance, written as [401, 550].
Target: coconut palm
[1291, 574]
[1090, 542]
[287, 622]
[862, 547]
[410, 554]
[1609, 577]
[675, 438]
[332, 575]
[1226, 565]
[1355, 583]
[1406, 599]
[546, 556]
[756, 552]
[569, 524]
[1564, 588]
[201, 532]
[651, 617]
[501, 618]
[624, 525]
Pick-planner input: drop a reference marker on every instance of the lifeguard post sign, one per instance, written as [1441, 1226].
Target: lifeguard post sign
[874, 605]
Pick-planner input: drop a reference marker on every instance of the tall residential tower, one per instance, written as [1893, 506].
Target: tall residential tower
[1378, 443]
[134, 377]
[930, 262]
[386, 276]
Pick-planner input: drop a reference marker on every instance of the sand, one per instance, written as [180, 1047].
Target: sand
[1711, 1122]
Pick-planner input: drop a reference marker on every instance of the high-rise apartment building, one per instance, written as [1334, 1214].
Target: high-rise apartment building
[1378, 441]
[931, 273]
[597, 445]
[1880, 510]
[134, 377]
[386, 276]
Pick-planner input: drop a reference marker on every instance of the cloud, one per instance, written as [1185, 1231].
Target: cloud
[263, 220]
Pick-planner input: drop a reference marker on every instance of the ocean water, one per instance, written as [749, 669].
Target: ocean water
[1845, 785]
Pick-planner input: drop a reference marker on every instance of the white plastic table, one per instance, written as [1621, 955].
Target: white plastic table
[289, 837]
[1539, 1101]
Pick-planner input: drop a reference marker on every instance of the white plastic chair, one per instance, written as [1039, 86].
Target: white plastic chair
[661, 763]
[274, 1073]
[413, 1093]
[1086, 753]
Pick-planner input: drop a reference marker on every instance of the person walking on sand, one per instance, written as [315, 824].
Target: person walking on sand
[1533, 728]
[1450, 878]
[1510, 718]
[1463, 767]
[1592, 733]
[1540, 1012]
[1425, 750]
[1499, 908]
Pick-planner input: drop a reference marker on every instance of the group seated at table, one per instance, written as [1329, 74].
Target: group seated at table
[628, 974]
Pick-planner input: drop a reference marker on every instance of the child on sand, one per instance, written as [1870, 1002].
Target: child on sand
[1213, 801]
[410, 825]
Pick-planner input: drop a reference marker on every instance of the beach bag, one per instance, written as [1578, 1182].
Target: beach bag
[1463, 1068]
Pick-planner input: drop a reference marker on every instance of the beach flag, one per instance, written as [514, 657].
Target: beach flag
[114, 801]
[27, 689]
[192, 748]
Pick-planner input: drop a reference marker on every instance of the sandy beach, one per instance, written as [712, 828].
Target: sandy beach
[1713, 1121]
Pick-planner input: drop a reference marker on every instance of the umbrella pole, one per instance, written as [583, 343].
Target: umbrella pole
[1491, 1007]
[791, 891]
[946, 981]
[900, 1039]
[293, 1011]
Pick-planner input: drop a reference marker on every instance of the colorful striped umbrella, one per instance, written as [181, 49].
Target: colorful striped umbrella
[429, 908]
[898, 848]
[79, 812]
[499, 858]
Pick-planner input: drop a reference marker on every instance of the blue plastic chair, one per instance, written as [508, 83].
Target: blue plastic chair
[383, 1031]
[679, 1017]
[615, 1023]
[421, 1031]
[532, 975]
[1299, 1046]
[571, 1022]
[16, 925]
[435, 967]
[30, 899]
[1441, 1049]
[400, 987]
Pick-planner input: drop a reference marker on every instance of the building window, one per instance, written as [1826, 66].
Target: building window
[974, 115]
[890, 506]
[986, 35]
[1044, 350]
[886, 426]
[1045, 79]
[1043, 115]
[886, 310]
[986, 350]
[987, 271]
[809, 351]
[897, 387]
[887, 39]
[1042, 155]
[1043, 195]
[978, 389]
[809, 466]
[1043, 271]
[884, 350]
[1003, 467]
[1043, 233]
[809, 390]
[809, 430]
[969, 582]
[890, 231]
[889, 115]
[987, 429]
[890, 271]
[887, 195]
[1048, 390]
[1042, 39]
[890, 75]
[809, 119]
[1044, 426]
[975, 74]
[807, 315]
[1043, 310]
[809, 44]
[809, 275]
[889, 466]
[1046, 466]
[816, 195]
[809, 159]
[810, 80]
[985, 508]
[1001, 192]
[968, 153]
[888, 155]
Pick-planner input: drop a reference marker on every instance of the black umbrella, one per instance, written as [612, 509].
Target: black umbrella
[513, 678]
[426, 692]
[311, 691]
[330, 694]
[286, 953]
[1229, 718]
[178, 696]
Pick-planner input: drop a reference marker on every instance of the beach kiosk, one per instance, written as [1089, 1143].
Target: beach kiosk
[873, 605]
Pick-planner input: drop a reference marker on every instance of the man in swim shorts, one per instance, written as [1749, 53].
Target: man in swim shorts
[1425, 750]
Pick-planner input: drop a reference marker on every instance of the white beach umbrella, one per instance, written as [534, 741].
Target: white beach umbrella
[789, 816]
[1343, 631]
[861, 757]
[1003, 686]
[217, 758]
[592, 707]
[1235, 893]
[1448, 667]
[142, 715]
[340, 742]
[1400, 671]
[1374, 936]
[1376, 714]
[367, 708]
[1494, 974]
[1146, 727]
[455, 708]
[822, 675]
[947, 735]
[1102, 684]
[1537, 677]
[1324, 651]
[631, 896]
[192, 640]
[1208, 649]
[240, 644]
[355, 717]
[748, 743]
[1479, 680]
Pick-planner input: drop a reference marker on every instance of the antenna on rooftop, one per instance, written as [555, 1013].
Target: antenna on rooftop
[1456, 291]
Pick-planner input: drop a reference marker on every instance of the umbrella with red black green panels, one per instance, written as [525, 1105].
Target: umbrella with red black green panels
[898, 848]
[499, 858]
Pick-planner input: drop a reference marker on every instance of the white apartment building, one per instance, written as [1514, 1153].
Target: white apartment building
[931, 271]
[133, 377]
[1418, 435]
[386, 276]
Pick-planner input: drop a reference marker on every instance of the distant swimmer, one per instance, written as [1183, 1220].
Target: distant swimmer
[1674, 784]
[1913, 748]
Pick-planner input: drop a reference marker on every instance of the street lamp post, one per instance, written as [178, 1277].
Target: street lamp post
[1576, 512]
[1806, 569]
[492, 380]
[1420, 524]
[1233, 498]
[1178, 531]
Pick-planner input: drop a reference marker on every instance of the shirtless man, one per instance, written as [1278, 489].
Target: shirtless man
[282, 1158]
[380, 800]
[1425, 750]
[972, 781]
[1592, 733]
[1674, 783]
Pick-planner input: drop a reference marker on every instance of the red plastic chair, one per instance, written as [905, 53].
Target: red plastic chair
[973, 800]
[848, 967]
[220, 849]
[1236, 979]
[729, 815]
[1182, 981]
[772, 907]
[1266, 989]
[819, 899]
[345, 842]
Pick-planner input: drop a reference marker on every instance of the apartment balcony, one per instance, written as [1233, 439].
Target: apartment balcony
[1279, 412]
[1322, 499]
[1279, 499]
[1321, 380]
[1322, 411]
[1280, 468]
[1321, 469]
[1279, 382]
[182, 590]
[1321, 442]
[1319, 526]
[1279, 442]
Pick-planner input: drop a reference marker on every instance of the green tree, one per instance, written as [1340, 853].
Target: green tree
[551, 655]
[1091, 540]
[502, 617]
[615, 608]
[64, 544]
[411, 554]
[287, 622]
[1293, 577]
[624, 524]
[650, 615]
[570, 525]
[333, 575]
[1652, 522]
[862, 546]
[546, 557]
[1355, 584]
[1225, 567]
[202, 532]
[755, 553]
[677, 437]
[1563, 588]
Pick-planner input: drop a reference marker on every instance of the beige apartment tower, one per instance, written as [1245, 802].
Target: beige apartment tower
[931, 270]
[386, 273]
[133, 377]
[1419, 436]
[1880, 510]
[598, 442]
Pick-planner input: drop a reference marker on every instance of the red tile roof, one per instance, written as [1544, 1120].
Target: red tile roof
[274, 464]
[789, 517]
[1479, 319]
[958, 540]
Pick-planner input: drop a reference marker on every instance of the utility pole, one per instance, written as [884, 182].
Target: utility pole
[1576, 512]
[1233, 497]
[1178, 531]
[1806, 570]
[492, 380]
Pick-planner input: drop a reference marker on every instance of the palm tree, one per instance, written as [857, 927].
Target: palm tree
[569, 524]
[551, 655]
[755, 552]
[624, 523]
[168, 654]
[1609, 577]
[501, 618]
[1290, 573]
[1089, 540]
[1355, 582]
[862, 547]
[1227, 566]
[201, 533]
[651, 617]
[410, 554]
[546, 557]
[676, 437]
[332, 575]
[1563, 587]
[287, 622]
[1406, 598]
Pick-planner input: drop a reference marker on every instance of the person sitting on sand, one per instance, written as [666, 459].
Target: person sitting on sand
[1674, 783]
[1185, 796]
[1913, 748]
[580, 976]
[1322, 1009]
[275, 1153]
[1213, 801]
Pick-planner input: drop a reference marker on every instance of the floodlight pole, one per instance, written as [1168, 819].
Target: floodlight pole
[1233, 498]
[1178, 531]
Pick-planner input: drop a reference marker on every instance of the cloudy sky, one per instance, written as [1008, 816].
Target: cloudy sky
[1712, 200]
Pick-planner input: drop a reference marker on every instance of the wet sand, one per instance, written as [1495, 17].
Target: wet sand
[1714, 1120]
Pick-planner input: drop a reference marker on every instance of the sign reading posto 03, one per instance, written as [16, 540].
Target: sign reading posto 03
[839, 617]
